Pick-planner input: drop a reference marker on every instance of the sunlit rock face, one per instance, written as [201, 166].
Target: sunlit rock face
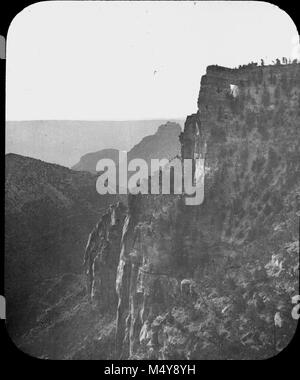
[204, 282]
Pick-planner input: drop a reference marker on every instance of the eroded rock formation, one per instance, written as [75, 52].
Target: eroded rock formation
[205, 281]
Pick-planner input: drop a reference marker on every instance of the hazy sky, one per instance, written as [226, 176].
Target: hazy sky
[132, 60]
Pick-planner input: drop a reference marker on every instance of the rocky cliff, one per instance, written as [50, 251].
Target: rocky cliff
[206, 282]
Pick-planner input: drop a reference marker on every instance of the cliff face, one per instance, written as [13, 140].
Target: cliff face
[102, 256]
[205, 282]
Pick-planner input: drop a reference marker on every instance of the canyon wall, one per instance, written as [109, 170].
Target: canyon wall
[205, 282]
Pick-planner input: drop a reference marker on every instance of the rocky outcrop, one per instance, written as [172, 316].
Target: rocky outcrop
[206, 281]
[102, 257]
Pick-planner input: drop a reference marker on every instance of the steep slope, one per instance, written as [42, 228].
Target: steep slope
[66, 324]
[89, 161]
[163, 144]
[207, 281]
[49, 211]
[170, 281]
